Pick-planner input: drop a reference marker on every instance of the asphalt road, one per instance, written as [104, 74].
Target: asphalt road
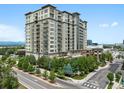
[100, 78]
[68, 85]
[32, 82]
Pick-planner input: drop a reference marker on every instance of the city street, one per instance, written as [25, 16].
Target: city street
[68, 85]
[99, 80]
[32, 82]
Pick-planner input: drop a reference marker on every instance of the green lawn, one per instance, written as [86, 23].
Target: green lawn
[118, 77]
[110, 85]
[79, 77]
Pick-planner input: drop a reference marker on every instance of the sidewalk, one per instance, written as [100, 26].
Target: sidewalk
[39, 78]
[79, 82]
[116, 84]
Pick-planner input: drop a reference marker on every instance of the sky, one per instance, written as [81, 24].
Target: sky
[105, 22]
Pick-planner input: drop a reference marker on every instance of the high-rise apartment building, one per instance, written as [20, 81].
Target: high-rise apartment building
[51, 31]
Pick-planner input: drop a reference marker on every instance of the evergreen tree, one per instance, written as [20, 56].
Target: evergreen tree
[68, 70]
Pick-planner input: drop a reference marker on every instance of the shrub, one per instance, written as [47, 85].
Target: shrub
[30, 68]
[110, 76]
[25, 66]
[38, 71]
[52, 76]
[45, 75]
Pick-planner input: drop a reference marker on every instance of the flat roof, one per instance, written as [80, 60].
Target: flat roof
[48, 5]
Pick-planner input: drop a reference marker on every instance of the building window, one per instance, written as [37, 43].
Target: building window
[37, 25]
[51, 37]
[51, 50]
[51, 42]
[51, 33]
[52, 15]
[52, 25]
[46, 11]
[51, 46]
[51, 29]
[38, 29]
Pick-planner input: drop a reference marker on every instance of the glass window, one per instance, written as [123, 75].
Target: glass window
[51, 33]
[52, 15]
[51, 37]
[51, 46]
[51, 29]
[51, 42]
[46, 11]
[51, 50]
[52, 25]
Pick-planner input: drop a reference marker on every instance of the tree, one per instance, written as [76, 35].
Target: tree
[118, 76]
[61, 73]
[10, 82]
[30, 68]
[52, 76]
[68, 70]
[38, 71]
[110, 58]
[110, 76]
[43, 62]
[102, 57]
[7, 79]
[45, 75]
[10, 51]
[4, 57]
[31, 59]
[20, 65]
[11, 61]
[122, 66]
[22, 60]
[25, 66]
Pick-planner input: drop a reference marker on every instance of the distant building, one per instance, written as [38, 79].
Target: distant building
[123, 42]
[95, 46]
[89, 42]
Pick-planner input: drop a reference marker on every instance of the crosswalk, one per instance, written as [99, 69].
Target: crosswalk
[90, 85]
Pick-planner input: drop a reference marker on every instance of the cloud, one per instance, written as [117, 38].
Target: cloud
[104, 25]
[11, 33]
[114, 24]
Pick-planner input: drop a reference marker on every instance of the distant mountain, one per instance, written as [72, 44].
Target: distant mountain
[10, 43]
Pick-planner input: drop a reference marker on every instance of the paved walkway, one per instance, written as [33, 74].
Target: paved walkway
[80, 82]
[116, 84]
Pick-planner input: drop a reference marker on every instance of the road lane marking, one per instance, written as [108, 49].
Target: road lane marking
[26, 85]
[32, 81]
